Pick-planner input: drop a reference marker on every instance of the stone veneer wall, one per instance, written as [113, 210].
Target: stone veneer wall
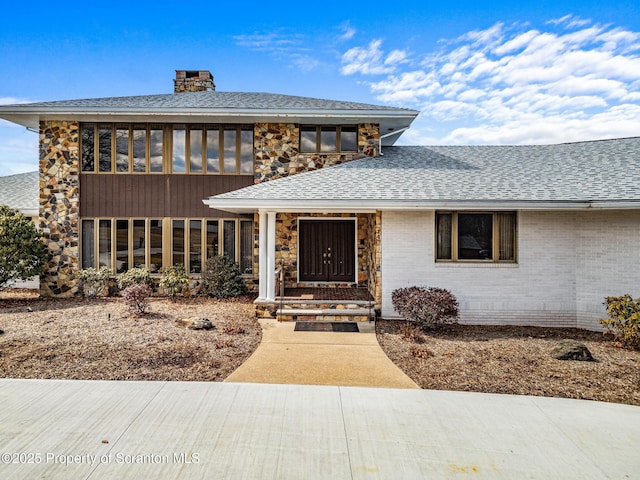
[59, 206]
[277, 152]
[287, 246]
[373, 254]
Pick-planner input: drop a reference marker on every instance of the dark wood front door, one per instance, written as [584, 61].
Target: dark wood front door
[327, 250]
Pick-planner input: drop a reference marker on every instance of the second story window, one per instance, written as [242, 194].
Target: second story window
[328, 139]
[212, 149]
[108, 148]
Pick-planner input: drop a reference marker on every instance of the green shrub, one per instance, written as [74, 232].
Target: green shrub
[624, 320]
[94, 280]
[427, 306]
[22, 252]
[174, 280]
[134, 276]
[222, 278]
[136, 297]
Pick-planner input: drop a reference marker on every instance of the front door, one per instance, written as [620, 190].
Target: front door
[327, 250]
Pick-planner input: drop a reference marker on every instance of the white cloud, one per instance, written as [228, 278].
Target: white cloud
[348, 31]
[370, 60]
[569, 79]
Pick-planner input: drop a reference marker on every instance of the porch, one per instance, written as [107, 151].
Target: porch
[318, 266]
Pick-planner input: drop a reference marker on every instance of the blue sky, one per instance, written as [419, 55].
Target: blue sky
[479, 72]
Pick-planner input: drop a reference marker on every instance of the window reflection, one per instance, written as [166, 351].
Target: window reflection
[179, 150]
[195, 151]
[229, 151]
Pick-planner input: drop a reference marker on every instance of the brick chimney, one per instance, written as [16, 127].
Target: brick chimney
[193, 81]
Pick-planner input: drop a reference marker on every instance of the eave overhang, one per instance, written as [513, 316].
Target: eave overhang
[367, 206]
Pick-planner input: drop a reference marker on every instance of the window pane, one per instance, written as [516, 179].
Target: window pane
[179, 165]
[122, 246]
[155, 245]
[88, 148]
[212, 238]
[122, 150]
[213, 151]
[349, 139]
[328, 139]
[139, 244]
[139, 144]
[308, 139]
[229, 151]
[230, 239]
[507, 236]
[88, 247]
[195, 146]
[155, 150]
[246, 247]
[443, 226]
[246, 151]
[178, 242]
[104, 243]
[104, 149]
[195, 246]
[475, 234]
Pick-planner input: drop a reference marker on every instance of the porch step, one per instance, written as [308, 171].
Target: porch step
[325, 314]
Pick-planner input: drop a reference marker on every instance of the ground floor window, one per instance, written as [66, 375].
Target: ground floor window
[151, 243]
[476, 236]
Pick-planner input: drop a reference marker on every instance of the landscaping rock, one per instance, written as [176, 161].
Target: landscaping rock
[571, 350]
[195, 323]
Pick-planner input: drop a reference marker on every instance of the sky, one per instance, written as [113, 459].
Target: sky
[479, 72]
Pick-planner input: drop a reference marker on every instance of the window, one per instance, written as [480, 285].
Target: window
[476, 236]
[213, 150]
[121, 148]
[123, 243]
[327, 139]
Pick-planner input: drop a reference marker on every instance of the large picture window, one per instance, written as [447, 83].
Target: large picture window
[476, 236]
[123, 243]
[328, 139]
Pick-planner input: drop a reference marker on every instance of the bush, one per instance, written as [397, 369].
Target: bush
[222, 278]
[136, 297]
[427, 306]
[133, 276]
[22, 252]
[624, 320]
[174, 280]
[94, 280]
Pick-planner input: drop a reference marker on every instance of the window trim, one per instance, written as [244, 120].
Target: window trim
[495, 237]
[318, 129]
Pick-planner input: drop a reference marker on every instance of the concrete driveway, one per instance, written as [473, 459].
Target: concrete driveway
[181, 430]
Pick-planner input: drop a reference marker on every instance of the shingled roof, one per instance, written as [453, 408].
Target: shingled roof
[572, 175]
[20, 192]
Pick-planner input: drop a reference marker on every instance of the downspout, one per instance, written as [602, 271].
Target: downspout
[395, 132]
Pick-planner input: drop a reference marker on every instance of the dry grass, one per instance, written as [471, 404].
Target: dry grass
[99, 339]
[514, 360]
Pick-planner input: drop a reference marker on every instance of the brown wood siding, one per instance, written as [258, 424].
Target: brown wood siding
[127, 195]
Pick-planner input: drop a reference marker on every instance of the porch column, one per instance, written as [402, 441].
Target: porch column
[262, 256]
[271, 256]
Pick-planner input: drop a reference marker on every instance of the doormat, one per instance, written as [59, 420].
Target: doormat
[326, 327]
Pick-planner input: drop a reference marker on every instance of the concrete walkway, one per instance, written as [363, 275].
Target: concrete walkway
[180, 430]
[320, 358]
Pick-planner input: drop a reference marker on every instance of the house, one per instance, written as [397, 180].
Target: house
[324, 215]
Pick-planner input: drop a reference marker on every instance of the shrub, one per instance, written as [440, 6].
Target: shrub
[174, 280]
[94, 280]
[624, 320]
[222, 278]
[136, 297]
[133, 276]
[22, 252]
[427, 306]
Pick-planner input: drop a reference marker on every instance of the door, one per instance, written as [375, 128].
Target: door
[327, 250]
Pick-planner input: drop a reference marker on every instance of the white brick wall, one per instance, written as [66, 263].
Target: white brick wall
[567, 261]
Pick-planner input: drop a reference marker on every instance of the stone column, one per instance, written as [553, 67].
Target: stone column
[59, 206]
